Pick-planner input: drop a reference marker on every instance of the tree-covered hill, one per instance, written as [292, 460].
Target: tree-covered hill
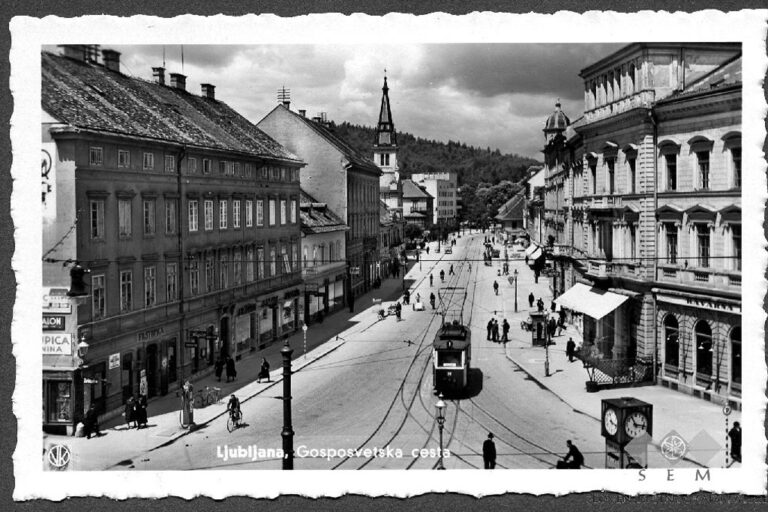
[415, 155]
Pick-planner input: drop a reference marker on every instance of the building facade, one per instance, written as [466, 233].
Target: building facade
[339, 176]
[418, 205]
[643, 202]
[187, 226]
[443, 187]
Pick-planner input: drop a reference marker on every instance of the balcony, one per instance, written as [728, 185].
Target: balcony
[607, 269]
[637, 100]
[704, 277]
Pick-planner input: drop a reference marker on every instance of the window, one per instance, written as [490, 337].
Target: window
[170, 163]
[149, 216]
[192, 166]
[631, 174]
[249, 264]
[671, 341]
[593, 175]
[206, 166]
[259, 212]
[124, 217]
[123, 158]
[286, 261]
[170, 217]
[238, 169]
[194, 276]
[611, 164]
[283, 174]
[272, 213]
[283, 212]
[150, 297]
[671, 234]
[209, 275]
[248, 170]
[171, 281]
[736, 355]
[736, 245]
[96, 156]
[632, 228]
[293, 211]
[208, 214]
[671, 161]
[235, 213]
[149, 161]
[736, 165]
[193, 215]
[126, 290]
[304, 259]
[237, 267]
[703, 339]
[295, 255]
[99, 296]
[223, 214]
[702, 158]
[272, 261]
[248, 213]
[702, 243]
[274, 173]
[97, 219]
[223, 270]
[260, 262]
[264, 173]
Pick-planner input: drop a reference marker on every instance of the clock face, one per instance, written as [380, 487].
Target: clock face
[636, 424]
[611, 421]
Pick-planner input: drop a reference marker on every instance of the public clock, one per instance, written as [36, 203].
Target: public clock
[636, 424]
[611, 421]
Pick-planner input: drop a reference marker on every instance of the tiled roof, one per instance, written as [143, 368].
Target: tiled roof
[512, 209]
[412, 191]
[88, 96]
[317, 217]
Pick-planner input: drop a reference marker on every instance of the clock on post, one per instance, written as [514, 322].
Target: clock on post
[624, 420]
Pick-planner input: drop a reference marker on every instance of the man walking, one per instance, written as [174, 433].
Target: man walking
[531, 298]
[505, 331]
[540, 304]
[735, 435]
[495, 331]
[570, 349]
[489, 452]
[495, 287]
[490, 328]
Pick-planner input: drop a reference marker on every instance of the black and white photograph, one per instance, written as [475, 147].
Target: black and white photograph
[406, 246]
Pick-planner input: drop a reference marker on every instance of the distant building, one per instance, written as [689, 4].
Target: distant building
[643, 206]
[418, 205]
[392, 237]
[336, 174]
[323, 239]
[511, 215]
[443, 187]
[185, 216]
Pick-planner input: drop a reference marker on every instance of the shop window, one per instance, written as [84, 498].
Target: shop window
[671, 341]
[736, 355]
[59, 401]
[703, 338]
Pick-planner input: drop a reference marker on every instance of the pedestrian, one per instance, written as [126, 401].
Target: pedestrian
[141, 411]
[505, 331]
[442, 275]
[264, 371]
[551, 326]
[552, 306]
[575, 456]
[231, 372]
[490, 328]
[495, 287]
[130, 412]
[531, 298]
[570, 349]
[560, 327]
[219, 368]
[540, 304]
[432, 300]
[427, 250]
[398, 311]
[562, 316]
[450, 273]
[495, 331]
[489, 452]
[430, 280]
[735, 435]
[90, 422]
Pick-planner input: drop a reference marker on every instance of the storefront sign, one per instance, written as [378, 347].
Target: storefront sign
[150, 334]
[114, 361]
[54, 323]
[55, 300]
[57, 344]
[697, 302]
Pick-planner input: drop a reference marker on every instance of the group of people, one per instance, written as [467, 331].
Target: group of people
[574, 459]
[227, 363]
[136, 412]
[493, 331]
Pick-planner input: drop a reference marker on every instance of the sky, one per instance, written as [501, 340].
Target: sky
[486, 95]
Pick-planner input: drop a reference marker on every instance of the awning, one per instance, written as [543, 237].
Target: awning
[530, 249]
[591, 301]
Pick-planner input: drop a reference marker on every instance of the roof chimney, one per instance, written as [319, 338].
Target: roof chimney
[208, 91]
[159, 75]
[303, 113]
[179, 81]
[74, 51]
[111, 60]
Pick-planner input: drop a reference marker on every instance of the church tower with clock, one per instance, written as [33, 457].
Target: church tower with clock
[385, 154]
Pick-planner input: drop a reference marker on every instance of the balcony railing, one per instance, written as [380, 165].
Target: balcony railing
[603, 268]
[639, 99]
[707, 277]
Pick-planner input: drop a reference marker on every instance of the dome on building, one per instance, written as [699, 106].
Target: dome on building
[557, 120]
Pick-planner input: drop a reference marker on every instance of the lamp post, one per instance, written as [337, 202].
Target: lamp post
[440, 406]
[546, 347]
[304, 328]
[515, 274]
[287, 433]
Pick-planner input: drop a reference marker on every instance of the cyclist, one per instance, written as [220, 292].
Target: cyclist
[233, 406]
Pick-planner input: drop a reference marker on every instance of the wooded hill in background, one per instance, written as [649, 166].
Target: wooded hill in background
[474, 166]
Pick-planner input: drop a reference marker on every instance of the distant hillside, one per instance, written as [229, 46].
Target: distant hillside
[415, 155]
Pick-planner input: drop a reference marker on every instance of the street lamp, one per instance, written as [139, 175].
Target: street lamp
[515, 274]
[287, 433]
[546, 347]
[304, 328]
[440, 406]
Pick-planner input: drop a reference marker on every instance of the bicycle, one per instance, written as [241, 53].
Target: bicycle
[207, 396]
[234, 421]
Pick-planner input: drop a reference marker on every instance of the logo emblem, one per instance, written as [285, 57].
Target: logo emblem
[673, 447]
[58, 457]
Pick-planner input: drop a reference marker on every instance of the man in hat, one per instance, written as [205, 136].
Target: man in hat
[489, 452]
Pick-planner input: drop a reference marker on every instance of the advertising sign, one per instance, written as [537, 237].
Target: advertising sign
[54, 323]
[57, 344]
[114, 361]
[55, 300]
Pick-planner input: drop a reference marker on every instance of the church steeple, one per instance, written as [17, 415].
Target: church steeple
[385, 131]
[385, 153]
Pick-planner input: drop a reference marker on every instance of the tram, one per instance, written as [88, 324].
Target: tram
[451, 356]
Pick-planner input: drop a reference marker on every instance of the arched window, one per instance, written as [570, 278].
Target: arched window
[306, 250]
[671, 341]
[736, 355]
[703, 338]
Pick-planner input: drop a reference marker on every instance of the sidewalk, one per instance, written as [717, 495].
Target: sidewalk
[120, 443]
[698, 422]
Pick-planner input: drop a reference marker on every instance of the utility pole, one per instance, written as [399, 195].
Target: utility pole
[287, 432]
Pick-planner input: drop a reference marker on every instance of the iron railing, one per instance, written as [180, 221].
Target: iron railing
[609, 373]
